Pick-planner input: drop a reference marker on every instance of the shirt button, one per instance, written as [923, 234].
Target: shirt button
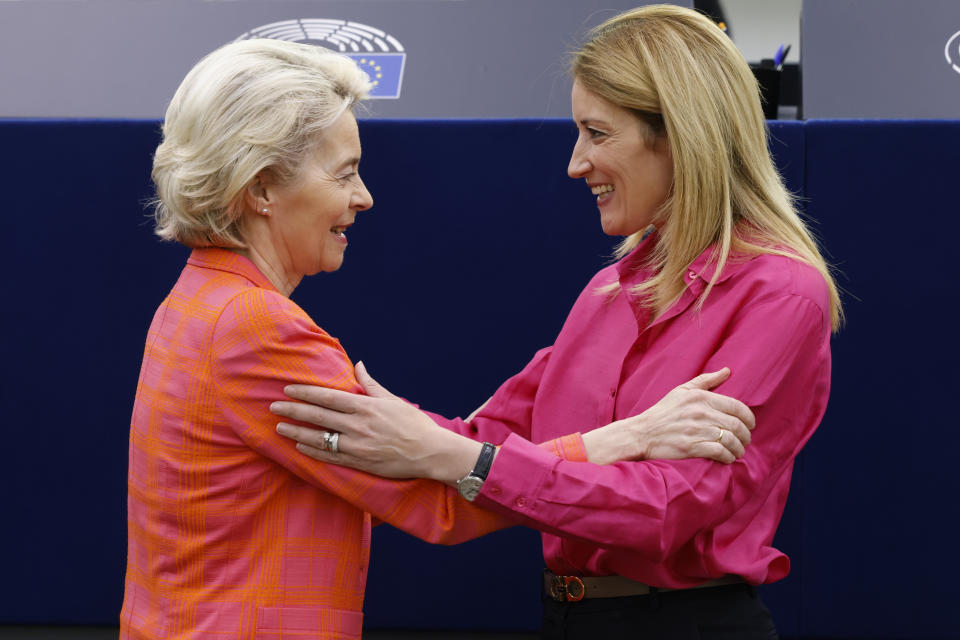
[691, 275]
[613, 392]
[521, 501]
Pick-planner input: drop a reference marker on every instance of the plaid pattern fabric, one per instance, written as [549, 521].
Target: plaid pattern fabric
[232, 532]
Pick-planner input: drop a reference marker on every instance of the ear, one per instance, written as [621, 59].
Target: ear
[662, 145]
[257, 195]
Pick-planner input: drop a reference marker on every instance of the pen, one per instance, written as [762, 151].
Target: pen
[781, 55]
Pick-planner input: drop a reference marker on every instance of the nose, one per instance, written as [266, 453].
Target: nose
[579, 166]
[362, 200]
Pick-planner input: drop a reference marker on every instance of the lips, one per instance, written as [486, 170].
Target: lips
[604, 192]
[339, 230]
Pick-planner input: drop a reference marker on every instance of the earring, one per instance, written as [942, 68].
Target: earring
[266, 211]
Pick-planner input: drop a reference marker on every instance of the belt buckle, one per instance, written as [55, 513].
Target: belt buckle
[569, 588]
[576, 593]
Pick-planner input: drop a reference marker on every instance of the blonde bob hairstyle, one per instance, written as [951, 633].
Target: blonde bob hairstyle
[681, 75]
[249, 106]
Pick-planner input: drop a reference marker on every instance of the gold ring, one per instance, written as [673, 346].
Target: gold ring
[720, 435]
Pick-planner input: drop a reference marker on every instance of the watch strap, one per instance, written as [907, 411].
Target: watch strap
[484, 461]
[470, 485]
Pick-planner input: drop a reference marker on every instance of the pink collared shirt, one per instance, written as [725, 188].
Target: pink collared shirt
[668, 523]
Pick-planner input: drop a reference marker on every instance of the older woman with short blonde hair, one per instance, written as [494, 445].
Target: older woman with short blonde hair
[252, 106]
[231, 533]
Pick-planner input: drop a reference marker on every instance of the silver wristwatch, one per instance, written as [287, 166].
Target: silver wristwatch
[469, 485]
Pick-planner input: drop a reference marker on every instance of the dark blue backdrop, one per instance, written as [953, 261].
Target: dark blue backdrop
[476, 247]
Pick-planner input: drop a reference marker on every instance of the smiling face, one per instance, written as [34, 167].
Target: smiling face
[630, 178]
[308, 216]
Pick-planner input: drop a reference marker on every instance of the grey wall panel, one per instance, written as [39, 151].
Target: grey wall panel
[881, 59]
[124, 59]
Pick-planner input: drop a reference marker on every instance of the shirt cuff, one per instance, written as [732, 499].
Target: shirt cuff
[516, 477]
[569, 447]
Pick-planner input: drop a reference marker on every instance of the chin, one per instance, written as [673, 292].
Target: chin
[611, 229]
[331, 267]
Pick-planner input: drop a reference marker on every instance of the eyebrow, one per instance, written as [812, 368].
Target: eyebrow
[588, 121]
[349, 162]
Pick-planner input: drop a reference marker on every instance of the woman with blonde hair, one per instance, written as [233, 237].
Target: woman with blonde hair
[716, 266]
[231, 533]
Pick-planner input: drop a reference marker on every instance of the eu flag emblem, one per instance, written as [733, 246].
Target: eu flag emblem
[375, 51]
[385, 71]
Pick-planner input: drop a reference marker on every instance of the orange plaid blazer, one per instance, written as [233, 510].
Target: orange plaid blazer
[231, 532]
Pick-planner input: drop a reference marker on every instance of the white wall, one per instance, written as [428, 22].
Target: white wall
[760, 26]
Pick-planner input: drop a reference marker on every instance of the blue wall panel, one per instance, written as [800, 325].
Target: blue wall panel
[475, 249]
[880, 490]
[782, 598]
[83, 276]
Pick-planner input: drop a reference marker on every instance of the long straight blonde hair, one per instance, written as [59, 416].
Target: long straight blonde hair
[667, 61]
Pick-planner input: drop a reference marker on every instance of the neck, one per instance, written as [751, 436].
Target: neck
[262, 252]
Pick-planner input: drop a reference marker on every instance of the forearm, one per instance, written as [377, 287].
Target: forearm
[652, 507]
[614, 443]
[449, 457]
[607, 443]
[420, 507]
[479, 429]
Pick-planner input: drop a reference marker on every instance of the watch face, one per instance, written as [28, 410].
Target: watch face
[469, 487]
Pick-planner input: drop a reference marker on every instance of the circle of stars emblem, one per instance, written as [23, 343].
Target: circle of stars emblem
[375, 72]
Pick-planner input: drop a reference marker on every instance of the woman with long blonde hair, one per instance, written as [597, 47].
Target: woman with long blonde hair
[716, 267]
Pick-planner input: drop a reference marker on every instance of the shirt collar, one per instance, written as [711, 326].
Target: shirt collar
[231, 262]
[703, 267]
[632, 271]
